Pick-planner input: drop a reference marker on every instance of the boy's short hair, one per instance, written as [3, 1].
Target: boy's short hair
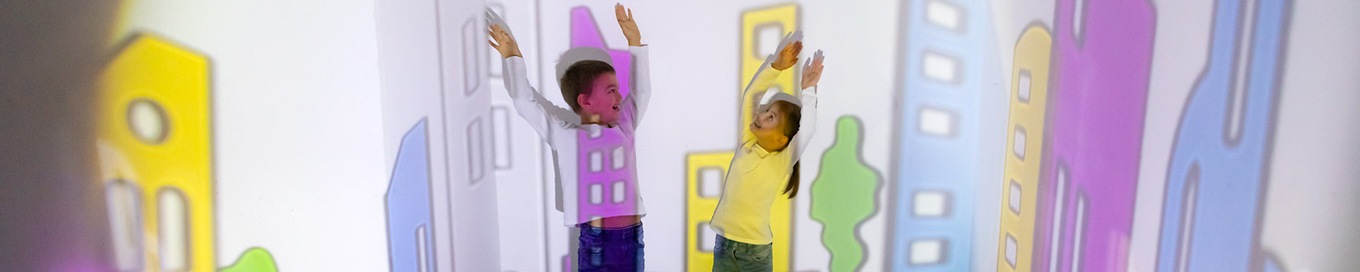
[578, 78]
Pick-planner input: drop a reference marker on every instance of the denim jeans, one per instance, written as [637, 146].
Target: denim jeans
[609, 249]
[731, 255]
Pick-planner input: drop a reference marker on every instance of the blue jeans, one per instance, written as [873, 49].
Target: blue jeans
[731, 255]
[609, 249]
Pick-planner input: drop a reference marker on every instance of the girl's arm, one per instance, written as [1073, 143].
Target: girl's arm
[807, 126]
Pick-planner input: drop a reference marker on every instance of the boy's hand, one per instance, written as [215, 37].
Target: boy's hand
[501, 39]
[630, 29]
[788, 57]
[503, 42]
[812, 71]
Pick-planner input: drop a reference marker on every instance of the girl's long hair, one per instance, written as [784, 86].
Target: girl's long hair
[792, 118]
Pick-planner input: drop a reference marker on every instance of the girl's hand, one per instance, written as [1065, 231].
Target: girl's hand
[788, 56]
[501, 39]
[812, 71]
[630, 29]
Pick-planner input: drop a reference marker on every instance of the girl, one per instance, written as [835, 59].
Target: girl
[762, 162]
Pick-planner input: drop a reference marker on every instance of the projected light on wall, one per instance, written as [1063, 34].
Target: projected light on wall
[1216, 176]
[1024, 146]
[1085, 212]
[936, 160]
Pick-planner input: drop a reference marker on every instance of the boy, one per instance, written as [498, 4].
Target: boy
[610, 223]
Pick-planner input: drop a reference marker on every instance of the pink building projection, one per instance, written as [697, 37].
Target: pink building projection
[1091, 175]
[604, 185]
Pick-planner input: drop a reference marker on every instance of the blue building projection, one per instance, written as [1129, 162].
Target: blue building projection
[936, 159]
[1216, 180]
[409, 243]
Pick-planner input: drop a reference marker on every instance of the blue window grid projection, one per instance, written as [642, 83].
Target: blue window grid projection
[1217, 173]
[408, 205]
[941, 155]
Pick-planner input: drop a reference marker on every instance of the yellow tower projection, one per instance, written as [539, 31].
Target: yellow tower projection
[155, 155]
[1024, 149]
[705, 170]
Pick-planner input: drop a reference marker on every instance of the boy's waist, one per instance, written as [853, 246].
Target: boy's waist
[615, 222]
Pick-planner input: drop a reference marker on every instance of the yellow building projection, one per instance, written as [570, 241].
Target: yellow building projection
[705, 170]
[1024, 149]
[155, 153]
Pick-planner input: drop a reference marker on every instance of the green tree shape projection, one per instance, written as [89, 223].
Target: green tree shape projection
[844, 195]
[254, 259]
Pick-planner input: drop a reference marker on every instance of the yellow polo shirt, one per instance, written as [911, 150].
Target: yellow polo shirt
[757, 176]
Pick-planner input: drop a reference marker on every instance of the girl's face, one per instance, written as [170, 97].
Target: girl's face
[768, 126]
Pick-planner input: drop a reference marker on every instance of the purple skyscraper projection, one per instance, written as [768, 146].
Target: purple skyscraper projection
[1104, 55]
[606, 175]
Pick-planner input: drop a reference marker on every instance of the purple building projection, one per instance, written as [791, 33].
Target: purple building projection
[605, 174]
[1104, 55]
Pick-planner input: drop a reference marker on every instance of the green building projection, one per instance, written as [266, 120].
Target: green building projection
[844, 195]
[253, 260]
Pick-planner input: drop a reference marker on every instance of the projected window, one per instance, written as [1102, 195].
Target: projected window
[493, 57]
[930, 204]
[1019, 145]
[707, 238]
[471, 46]
[618, 158]
[475, 152]
[596, 193]
[125, 223]
[937, 122]
[422, 262]
[945, 15]
[767, 38]
[928, 252]
[147, 121]
[710, 182]
[500, 127]
[1022, 87]
[1011, 250]
[173, 216]
[939, 67]
[618, 192]
[1015, 197]
[596, 161]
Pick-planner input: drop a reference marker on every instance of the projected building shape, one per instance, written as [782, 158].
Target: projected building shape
[1024, 148]
[410, 241]
[936, 157]
[1086, 197]
[604, 172]
[844, 195]
[705, 170]
[154, 146]
[1216, 176]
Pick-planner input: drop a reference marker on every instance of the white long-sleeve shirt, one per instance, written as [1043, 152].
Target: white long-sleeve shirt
[596, 166]
[756, 176]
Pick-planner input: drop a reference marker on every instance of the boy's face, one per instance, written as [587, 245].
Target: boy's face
[768, 124]
[603, 99]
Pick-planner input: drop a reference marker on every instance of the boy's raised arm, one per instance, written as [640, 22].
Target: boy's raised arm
[527, 101]
[641, 93]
